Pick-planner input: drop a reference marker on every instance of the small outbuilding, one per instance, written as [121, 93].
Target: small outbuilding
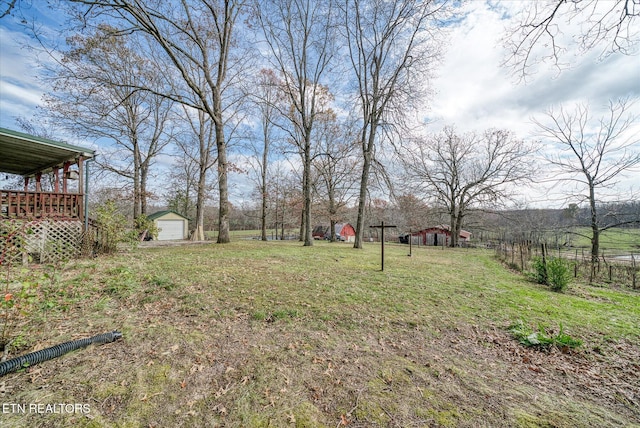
[171, 225]
[345, 232]
[440, 236]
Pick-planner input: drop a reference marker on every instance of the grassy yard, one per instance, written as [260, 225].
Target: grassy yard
[249, 234]
[273, 334]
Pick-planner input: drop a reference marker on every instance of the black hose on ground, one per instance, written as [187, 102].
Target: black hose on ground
[54, 352]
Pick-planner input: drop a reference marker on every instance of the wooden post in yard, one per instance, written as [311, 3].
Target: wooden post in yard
[383, 227]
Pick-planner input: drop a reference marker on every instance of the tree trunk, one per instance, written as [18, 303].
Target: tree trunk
[198, 233]
[144, 173]
[263, 216]
[332, 215]
[455, 233]
[308, 238]
[452, 225]
[282, 225]
[136, 180]
[362, 199]
[223, 217]
[595, 229]
[277, 211]
[223, 189]
[263, 211]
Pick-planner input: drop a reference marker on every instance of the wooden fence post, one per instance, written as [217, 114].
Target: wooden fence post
[545, 275]
[634, 271]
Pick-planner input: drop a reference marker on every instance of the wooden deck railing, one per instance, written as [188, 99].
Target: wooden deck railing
[19, 204]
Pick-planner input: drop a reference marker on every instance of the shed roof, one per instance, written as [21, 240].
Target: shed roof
[445, 228]
[159, 214]
[25, 154]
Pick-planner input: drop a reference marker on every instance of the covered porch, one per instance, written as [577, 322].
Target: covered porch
[42, 213]
[37, 159]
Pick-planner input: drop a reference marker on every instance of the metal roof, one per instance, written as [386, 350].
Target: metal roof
[159, 214]
[25, 154]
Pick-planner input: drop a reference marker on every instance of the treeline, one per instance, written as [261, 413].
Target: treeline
[535, 225]
[319, 106]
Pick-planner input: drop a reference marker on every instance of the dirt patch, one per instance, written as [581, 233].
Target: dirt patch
[606, 374]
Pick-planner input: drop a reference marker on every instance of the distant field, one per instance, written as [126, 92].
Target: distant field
[623, 240]
[274, 334]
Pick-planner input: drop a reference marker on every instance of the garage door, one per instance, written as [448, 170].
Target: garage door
[170, 229]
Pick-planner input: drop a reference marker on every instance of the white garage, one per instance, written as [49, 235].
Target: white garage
[171, 225]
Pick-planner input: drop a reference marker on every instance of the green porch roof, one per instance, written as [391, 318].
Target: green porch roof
[25, 154]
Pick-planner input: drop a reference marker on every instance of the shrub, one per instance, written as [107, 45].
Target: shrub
[143, 225]
[115, 228]
[540, 338]
[559, 274]
[539, 273]
[112, 225]
[555, 273]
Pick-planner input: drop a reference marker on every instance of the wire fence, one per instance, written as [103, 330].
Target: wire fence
[613, 269]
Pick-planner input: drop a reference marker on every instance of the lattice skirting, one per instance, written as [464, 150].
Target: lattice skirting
[42, 241]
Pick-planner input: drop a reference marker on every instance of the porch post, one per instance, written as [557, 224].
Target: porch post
[65, 171]
[80, 188]
[80, 175]
[56, 179]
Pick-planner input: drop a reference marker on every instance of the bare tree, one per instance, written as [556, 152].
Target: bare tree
[540, 33]
[6, 6]
[285, 198]
[38, 126]
[412, 212]
[462, 172]
[203, 138]
[335, 167]
[300, 36]
[197, 39]
[593, 154]
[181, 197]
[267, 98]
[93, 95]
[390, 45]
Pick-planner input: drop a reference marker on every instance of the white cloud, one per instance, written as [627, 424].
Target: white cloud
[20, 89]
[475, 92]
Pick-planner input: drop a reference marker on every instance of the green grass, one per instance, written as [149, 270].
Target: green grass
[617, 239]
[247, 234]
[272, 334]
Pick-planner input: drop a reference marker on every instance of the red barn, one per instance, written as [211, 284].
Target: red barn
[440, 236]
[345, 232]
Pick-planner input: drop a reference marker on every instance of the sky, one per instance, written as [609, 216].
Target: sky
[472, 91]
[475, 92]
